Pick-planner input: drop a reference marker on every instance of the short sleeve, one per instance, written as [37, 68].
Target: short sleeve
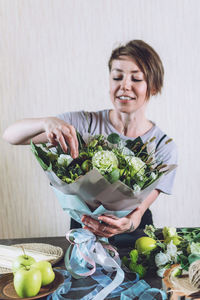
[167, 153]
[79, 119]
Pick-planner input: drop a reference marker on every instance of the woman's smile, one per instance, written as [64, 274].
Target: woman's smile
[125, 98]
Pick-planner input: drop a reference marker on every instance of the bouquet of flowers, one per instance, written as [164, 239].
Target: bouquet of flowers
[107, 171]
[110, 176]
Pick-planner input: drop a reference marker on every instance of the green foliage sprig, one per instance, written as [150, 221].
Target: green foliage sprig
[180, 246]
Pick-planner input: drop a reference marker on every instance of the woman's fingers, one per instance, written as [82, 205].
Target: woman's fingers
[52, 138]
[73, 133]
[110, 220]
[120, 224]
[70, 137]
[72, 144]
[58, 131]
[103, 233]
[101, 229]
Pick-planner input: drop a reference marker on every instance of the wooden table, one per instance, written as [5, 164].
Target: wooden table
[154, 281]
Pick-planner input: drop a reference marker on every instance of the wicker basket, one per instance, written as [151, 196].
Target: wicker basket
[42, 248]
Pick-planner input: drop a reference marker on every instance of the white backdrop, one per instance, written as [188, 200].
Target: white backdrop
[53, 58]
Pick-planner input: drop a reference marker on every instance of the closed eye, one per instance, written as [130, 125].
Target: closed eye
[136, 80]
[133, 79]
[117, 78]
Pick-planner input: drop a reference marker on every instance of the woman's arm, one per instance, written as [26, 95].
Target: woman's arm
[42, 130]
[21, 132]
[116, 225]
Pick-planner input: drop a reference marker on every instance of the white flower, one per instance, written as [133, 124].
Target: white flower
[160, 272]
[64, 159]
[172, 251]
[153, 175]
[161, 259]
[136, 187]
[127, 152]
[137, 164]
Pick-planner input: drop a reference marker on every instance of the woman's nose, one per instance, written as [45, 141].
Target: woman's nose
[126, 84]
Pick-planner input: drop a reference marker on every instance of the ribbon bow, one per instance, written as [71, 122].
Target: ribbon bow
[89, 251]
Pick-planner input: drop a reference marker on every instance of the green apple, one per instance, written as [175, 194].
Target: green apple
[46, 270]
[27, 282]
[145, 245]
[22, 261]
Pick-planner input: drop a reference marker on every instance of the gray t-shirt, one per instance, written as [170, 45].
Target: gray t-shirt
[100, 124]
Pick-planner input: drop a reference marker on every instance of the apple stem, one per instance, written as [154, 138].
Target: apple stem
[23, 250]
[26, 267]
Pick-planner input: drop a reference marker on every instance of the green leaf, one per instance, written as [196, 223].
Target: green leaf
[183, 260]
[197, 238]
[113, 138]
[41, 156]
[136, 146]
[125, 261]
[81, 142]
[193, 257]
[113, 176]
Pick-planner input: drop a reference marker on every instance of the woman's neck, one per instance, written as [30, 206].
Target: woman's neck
[130, 125]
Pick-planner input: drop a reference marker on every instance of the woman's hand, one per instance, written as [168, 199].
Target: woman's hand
[43, 130]
[108, 226]
[58, 131]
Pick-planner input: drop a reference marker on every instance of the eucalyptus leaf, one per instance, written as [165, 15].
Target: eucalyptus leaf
[113, 138]
[193, 257]
[113, 176]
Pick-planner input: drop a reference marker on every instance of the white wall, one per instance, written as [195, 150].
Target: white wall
[53, 58]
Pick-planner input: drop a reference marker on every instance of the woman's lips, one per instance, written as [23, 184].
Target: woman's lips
[125, 99]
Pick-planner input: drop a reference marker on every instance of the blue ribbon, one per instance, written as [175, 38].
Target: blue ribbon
[88, 252]
[136, 289]
[142, 291]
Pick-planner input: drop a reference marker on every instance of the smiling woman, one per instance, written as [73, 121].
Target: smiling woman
[136, 74]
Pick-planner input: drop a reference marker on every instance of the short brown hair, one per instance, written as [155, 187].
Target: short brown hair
[147, 60]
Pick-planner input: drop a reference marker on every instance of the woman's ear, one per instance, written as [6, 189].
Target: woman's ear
[153, 92]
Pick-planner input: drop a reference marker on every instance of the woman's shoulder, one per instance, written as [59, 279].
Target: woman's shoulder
[83, 114]
[85, 120]
[165, 145]
[161, 137]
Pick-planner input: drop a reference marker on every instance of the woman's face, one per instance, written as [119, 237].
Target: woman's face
[128, 88]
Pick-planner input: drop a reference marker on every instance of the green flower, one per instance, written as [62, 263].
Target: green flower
[140, 269]
[134, 256]
[195, 248]
[169, 232]
[104, 161]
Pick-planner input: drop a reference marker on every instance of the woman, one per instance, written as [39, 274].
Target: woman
[136, 74]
